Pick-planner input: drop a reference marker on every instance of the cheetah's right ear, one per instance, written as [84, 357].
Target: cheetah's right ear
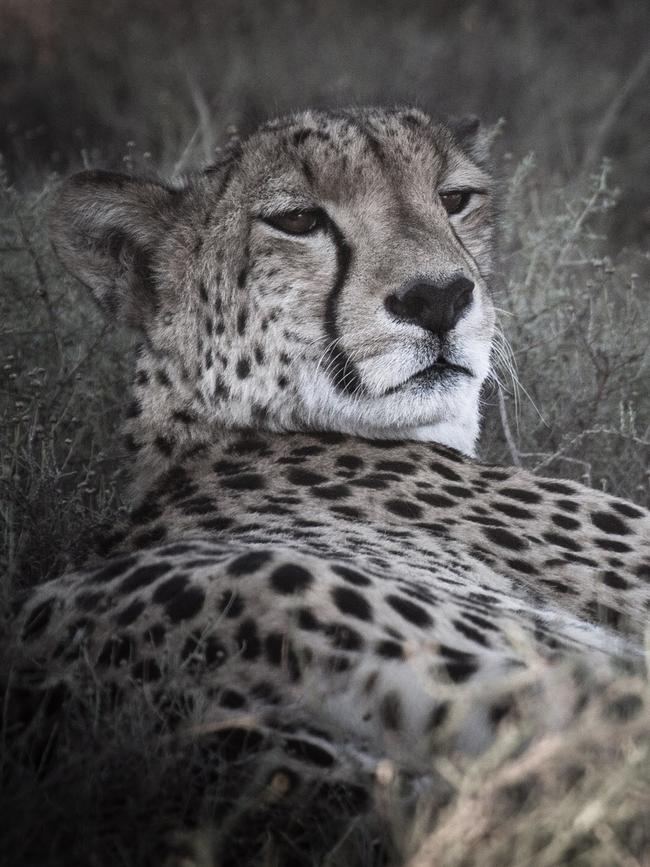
[106, 228]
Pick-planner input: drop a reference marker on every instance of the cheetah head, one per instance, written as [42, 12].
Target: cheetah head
[330, 273]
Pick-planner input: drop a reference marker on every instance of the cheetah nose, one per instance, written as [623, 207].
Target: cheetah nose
[434, 306]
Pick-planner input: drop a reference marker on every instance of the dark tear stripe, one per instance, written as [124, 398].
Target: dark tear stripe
[342, 369]
[457, 237]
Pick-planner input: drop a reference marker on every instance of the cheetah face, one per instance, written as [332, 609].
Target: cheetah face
[369, 236]
[329, 273]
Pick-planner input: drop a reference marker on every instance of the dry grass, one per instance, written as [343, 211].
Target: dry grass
[63, 375]
[565, 782]
[578, 796]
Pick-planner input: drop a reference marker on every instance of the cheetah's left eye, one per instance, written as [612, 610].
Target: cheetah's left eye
[296, 222]
[454, 201]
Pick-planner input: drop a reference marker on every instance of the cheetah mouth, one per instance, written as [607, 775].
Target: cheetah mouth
[440, 371]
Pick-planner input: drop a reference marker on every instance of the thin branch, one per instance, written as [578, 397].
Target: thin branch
[70, 374]
[574, 441]
[41, 280]
[507, 432]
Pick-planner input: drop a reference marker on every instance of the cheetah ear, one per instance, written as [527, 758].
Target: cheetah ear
[105, 227]
[474, 139]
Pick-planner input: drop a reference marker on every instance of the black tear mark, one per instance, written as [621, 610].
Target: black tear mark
[342, 369]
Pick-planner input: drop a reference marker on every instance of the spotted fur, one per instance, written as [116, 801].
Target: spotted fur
[311, 542]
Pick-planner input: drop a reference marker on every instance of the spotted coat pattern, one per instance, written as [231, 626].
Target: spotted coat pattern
[311, 542]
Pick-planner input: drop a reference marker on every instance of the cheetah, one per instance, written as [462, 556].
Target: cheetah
[312, 544]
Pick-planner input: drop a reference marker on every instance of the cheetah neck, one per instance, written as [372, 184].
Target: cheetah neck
[171, 418]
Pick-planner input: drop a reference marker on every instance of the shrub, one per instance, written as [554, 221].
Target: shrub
[575, 360]
[63, 372]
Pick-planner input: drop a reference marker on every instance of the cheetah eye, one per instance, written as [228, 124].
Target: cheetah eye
[296, 222]
[454, 201]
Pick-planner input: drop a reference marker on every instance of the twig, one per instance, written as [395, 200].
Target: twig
[63, 381]
[574, 231]
[41, 280]
[181, 162]
[510, 440]
[587, 433]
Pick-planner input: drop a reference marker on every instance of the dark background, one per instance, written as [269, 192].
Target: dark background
[109, 80]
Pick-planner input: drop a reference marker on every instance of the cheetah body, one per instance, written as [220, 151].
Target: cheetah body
[371, 636]
[310, 538]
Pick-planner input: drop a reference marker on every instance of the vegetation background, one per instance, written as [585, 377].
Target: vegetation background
[159, 84]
